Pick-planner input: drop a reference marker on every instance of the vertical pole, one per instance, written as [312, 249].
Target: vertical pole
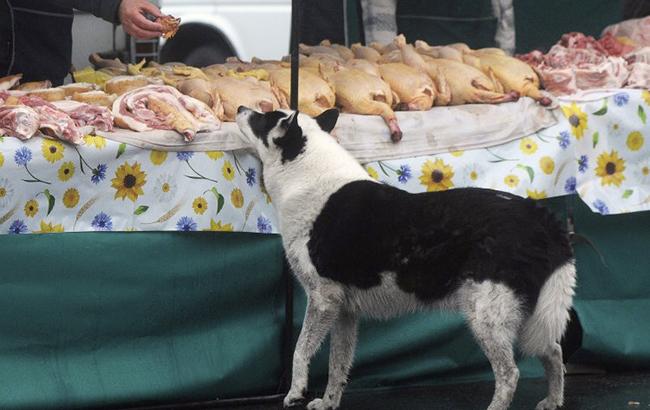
[287, 348]
[295, 40]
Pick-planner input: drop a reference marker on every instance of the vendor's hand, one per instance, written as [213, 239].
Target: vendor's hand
[131, 14]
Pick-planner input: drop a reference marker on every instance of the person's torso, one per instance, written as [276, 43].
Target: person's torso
[39, 43]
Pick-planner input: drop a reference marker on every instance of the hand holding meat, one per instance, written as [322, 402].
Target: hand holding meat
[134, 22]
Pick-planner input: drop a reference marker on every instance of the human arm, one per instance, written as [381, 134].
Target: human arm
[130, 13]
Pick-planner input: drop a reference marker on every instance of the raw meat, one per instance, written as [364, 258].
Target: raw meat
[358, 92]
[413, 87]
[249, 92]
[314, 94]
[578, 62]
[515, 75]
[18, 121]
[163, 107]
[52, 121]
[86, 114]
[639, 75]
[636, 30]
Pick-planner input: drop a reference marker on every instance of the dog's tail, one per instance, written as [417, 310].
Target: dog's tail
[548, 321]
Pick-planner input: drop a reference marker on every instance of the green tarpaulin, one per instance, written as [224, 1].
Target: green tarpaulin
[105, 318]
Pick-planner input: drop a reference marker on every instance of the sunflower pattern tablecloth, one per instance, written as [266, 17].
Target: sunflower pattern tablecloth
[50, 186]
[597, 150]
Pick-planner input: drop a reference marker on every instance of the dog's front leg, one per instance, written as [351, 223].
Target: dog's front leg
[343, 341]
[319, 317]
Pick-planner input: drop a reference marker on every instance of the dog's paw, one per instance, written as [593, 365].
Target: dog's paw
[319, 404]
[549, 403]
[294, 401]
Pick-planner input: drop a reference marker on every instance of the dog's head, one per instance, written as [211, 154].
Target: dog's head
[283, 135]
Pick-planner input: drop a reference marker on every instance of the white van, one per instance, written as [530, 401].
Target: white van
[212, 30]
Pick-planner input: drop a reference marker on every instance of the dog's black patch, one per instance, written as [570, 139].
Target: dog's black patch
[436, 241]
[327, 119]
[262, 124]
[293, 142]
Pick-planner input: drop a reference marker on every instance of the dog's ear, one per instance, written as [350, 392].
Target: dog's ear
[327, 119]
[292, 143]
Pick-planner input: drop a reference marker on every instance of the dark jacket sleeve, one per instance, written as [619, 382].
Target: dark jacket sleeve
[104, 9]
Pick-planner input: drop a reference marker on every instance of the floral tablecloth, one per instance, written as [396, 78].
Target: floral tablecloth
[597, 150]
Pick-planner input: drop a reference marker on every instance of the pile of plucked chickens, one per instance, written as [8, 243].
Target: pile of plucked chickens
[620, 58]
[377, 79]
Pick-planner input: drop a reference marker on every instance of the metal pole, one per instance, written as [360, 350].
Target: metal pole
[295, 40]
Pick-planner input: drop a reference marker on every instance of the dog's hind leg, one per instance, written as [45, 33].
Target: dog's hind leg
[343, 340]
[493, 314]
[542, 331]
[554, 369]
[323, 307]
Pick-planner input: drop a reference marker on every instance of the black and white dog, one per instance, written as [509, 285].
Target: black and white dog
[363, 249]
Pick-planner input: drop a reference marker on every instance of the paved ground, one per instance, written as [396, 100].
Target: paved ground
[597, 392]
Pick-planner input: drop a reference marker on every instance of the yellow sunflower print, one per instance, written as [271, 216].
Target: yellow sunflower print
[436, 176]
[158, 157]
[31, 208]
[511, 180]
[200, 205]
[49, 227]
[97, 141]
[528, 146]
[577, 118]
[646, 96]
[610, 168]
[2, 159]
[215, 155]
[373, 173]
[547, 165]
[66, 171]
[534, 194]
[457, 153]
[635, 141]
[228, 171]
[219, 227]
[71, 198]
[52, 150]
[237, 198]
[128, 181]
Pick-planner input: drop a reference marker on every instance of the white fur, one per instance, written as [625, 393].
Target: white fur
[547, 324]
[299, 189]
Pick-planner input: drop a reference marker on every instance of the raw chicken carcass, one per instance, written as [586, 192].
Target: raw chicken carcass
[314, 94]
[343, 51]
[411, 57]
[18, 121]
[319, 49]
[364, 65]
[358, 92]
[163, 107]
[514, 74]
[469, 85]
[366, 53]
[249, 92]
[413, 87]
[204, 91]
[9, 82]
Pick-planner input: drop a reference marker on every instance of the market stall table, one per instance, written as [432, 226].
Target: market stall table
[187, 321]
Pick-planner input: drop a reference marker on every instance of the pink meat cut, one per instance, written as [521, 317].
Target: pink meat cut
[638, 30]
[86, 114]
[578, 62]
[132, 110]
[18, 121]
[52, 121]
